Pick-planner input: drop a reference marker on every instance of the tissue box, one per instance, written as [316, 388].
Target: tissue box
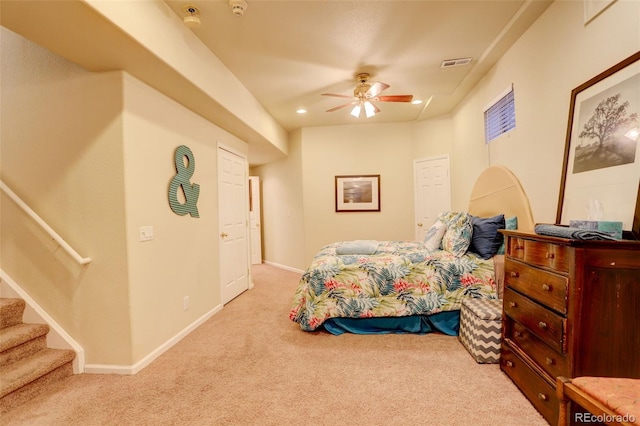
[612, 228]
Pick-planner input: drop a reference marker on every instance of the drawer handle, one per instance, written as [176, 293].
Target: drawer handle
[542, 397]
[551, 255]
[550, 361]
[517, 334]
[542, 325]
[513, 304]
[509, 363]
[546, 287]
[518, 247]
[514, 274]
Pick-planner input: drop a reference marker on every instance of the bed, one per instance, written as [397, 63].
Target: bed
[372, 287]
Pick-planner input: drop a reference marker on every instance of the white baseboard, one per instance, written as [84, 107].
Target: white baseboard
[57, 338]
[60, 339]
[137, 367]
[288, 268]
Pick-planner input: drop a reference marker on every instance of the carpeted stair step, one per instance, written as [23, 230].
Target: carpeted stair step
[29, 377]
[21, 341]
[27, 366]
[11, 311]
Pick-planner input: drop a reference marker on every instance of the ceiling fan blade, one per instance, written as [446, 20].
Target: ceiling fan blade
[337, 96]
[342, 106]
[394, 98]
[377, 88]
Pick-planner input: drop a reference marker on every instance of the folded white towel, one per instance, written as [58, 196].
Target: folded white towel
[357, 247]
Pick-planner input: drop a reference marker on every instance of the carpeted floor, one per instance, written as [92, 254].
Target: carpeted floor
[250, 365]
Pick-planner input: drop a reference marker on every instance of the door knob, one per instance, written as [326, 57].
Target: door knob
[224, 234]
[420, 225]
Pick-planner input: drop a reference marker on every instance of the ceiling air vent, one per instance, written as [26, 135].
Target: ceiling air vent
[455, 62]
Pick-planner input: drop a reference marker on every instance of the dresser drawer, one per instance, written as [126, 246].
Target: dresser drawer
[543, 286]
[537, 390]
[542, 254]
[552, 362]
[545, 324]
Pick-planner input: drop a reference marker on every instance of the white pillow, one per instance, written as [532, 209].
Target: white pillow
[434, 235]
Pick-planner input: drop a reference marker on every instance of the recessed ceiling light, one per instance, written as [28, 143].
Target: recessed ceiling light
[301, 111]
[416, 101]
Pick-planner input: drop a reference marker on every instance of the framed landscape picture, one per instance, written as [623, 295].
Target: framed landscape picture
[358, 193]
[601, 167]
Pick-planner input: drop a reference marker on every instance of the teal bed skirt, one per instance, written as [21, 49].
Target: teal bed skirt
[443, 322]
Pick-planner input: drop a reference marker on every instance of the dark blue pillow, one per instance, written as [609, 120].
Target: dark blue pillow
[485, 239]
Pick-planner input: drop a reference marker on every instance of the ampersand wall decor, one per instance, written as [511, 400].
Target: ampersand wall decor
[190, 190]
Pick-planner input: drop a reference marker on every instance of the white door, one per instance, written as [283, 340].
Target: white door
[433, 191]
[254, 220]
[233, 217]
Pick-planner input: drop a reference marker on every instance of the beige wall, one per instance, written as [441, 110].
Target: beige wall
[93, 154]
[432, 137]
[298, 199]
[163, 33]
[281, 184]
[558, 53]
[355, 150]
[182, 259]
[62, 154]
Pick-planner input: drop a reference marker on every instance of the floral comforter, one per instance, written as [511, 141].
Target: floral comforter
[401, 278]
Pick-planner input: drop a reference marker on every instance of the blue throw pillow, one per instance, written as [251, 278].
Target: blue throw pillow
[486, 240]
[509, 223]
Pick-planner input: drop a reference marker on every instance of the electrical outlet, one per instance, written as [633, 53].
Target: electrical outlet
[185, 303]
[146, 233]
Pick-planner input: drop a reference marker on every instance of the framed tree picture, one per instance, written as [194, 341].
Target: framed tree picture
[601, 167]
[358, 193]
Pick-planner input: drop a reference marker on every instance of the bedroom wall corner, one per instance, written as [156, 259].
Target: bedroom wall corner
[432, 137]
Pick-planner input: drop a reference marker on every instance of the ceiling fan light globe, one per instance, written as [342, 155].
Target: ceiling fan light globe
[356, 111]
[369, 109]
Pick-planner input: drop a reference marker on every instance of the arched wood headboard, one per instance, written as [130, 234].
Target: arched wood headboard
[498, 191]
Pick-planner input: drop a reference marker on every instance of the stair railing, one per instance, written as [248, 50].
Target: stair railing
[53, 234]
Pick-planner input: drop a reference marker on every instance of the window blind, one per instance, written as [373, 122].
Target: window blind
[500, 117]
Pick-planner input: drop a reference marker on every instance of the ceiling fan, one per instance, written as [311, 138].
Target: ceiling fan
[364, 94]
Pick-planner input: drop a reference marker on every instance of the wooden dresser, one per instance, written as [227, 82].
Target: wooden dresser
[571, 308]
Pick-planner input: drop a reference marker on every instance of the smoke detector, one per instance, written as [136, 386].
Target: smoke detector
[238, 7]
[192, 16]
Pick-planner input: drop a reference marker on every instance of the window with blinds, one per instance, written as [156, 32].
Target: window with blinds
[500, 116]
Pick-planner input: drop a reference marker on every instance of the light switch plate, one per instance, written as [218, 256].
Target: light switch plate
[146, 233]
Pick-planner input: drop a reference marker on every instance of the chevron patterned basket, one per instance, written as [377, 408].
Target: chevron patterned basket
[480, 329]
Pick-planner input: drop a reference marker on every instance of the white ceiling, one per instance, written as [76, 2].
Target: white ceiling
[287, 53]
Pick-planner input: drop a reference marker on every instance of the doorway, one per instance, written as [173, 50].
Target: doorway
[432, 191]
[254, 220]
[233, 223]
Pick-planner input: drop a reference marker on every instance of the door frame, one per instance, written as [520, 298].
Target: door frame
[244, 157]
